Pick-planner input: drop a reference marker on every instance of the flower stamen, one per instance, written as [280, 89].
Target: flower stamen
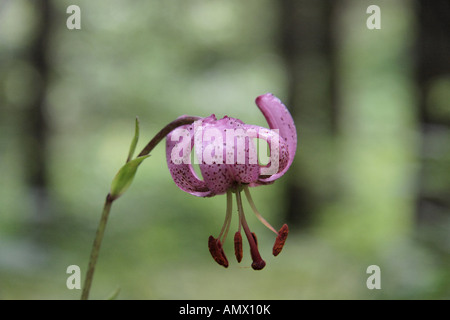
[215, 245]
[280, 240]
[281, 234]
[227, 222]
[216, 250]
[238, 246]
[258, 215]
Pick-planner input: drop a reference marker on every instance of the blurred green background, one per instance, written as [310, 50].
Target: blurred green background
[370, 184]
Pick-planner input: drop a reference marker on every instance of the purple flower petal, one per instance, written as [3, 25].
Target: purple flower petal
[279, 155]
[278, 117]
[182, 172]
[225, 154]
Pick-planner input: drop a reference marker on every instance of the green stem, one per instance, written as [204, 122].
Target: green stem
[165, 131]
[108, 203]
[96, 247]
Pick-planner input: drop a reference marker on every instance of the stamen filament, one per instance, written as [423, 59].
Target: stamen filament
[258, 215]
[227, 222]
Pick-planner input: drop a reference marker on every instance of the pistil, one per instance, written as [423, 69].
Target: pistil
[258, 262]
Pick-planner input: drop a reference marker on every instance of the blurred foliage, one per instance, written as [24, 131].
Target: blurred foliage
[161, 59]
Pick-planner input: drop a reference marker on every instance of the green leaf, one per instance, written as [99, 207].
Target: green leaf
[134, 141]
[124, 177]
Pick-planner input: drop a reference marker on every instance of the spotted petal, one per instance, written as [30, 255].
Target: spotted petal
[278, 117]
[178, 153]
[224, 154]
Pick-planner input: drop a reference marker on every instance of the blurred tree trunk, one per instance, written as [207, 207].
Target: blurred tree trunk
[35, 122]
[433, 71]
[307, 45]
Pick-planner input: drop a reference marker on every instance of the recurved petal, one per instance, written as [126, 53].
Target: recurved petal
[278, 117]
[279, 154]
[179, 144]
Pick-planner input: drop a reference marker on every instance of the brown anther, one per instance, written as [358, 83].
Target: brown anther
[238, 246]
[281, 239]
[215, 248]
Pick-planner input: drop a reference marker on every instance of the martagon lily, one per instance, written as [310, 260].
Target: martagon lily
[228, 162]
[227, 157]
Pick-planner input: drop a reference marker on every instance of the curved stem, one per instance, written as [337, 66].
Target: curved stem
[165, 131]
[109, 200]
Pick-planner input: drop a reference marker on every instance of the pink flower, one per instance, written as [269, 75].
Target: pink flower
[227, 156]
